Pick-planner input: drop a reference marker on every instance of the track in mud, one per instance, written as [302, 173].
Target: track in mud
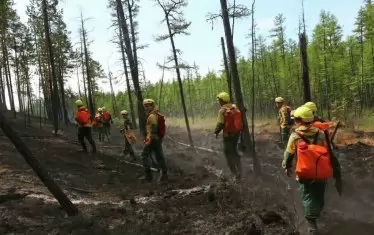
[113, 201]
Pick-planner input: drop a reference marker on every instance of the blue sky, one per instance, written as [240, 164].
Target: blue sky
[203, 45]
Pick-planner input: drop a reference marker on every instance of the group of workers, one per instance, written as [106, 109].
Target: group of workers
[102, 122]
[152, 142]
[305, 138]
[310, 145]
[303, 134]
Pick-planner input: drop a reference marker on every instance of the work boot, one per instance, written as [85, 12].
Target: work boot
[133, 157]
[312, 227]
[148, 176]
[163, 176]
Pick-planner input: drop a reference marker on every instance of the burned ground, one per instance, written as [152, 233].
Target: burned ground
[197, 200]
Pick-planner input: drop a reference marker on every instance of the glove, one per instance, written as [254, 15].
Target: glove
[339, 186]
[288, 172]
[146, 141]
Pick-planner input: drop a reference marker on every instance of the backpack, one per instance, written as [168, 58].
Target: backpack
[82, 117]
[105, 117]
[233, 120]
[161, 127]
[313, 161]
[289, 120]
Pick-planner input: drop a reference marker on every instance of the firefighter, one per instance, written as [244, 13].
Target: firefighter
[153, 142]
[127, 131]
[231, 134]
[98, 120]
[107, 120]
[312, 190]
[82, 117]
[284, 118]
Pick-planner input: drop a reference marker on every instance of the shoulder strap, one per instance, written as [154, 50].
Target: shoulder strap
[315, 138]
[302, 137]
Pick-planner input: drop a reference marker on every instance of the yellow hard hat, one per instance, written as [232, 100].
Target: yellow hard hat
[78, 102]
[279, 100]
[148, 101]
[103, 108]
[304, 113]
[124, 112]
[311, 105]
[224, 96]
[100, 109]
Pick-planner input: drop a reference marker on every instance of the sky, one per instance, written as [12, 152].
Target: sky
[202, 46]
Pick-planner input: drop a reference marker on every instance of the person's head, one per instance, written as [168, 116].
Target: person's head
[79, 103]
[124, 113]
[100, 110]
[279, 102]
[103, 109]
[303, 116]
[149, 105]
[311, 105]
[223, 98]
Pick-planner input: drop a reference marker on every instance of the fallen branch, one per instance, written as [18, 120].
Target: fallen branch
[34, 163]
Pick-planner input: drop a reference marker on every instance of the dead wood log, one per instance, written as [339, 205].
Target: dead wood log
[34, 163]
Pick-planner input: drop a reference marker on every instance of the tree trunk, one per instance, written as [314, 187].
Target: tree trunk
[62, 91]
[131, 104]
[236, 82]
[133, 68]
[43, 175]
[88, 74]
[177, 69]
[305, 67]
[16, 62]
[253, 81]
[52, 63]
[227, 70]
[161, 86]
[114, 103]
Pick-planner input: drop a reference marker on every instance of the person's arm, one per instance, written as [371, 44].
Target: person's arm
[289, 154]
[220, 122]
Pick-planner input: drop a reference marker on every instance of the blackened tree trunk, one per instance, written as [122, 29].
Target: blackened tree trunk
[305, 67]
[52, 64]
[43, 175]
[227, 70]
[88, 73]
[133, 68]
[131, 104]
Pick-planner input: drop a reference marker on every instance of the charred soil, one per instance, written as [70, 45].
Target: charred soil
[196, 200]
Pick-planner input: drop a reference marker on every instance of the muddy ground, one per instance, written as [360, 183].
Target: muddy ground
[112, 200]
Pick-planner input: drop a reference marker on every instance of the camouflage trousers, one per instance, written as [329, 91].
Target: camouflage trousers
[231, 153]
[154, 147]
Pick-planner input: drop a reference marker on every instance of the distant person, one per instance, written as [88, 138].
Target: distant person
[82, 117]
[315, 164]
[98, 122]
[230, 122]
[128, 134]
[155, 131]
[285, 121]
[107, 120]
